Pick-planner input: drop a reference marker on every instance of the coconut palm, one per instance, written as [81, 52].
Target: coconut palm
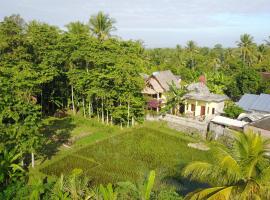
[175, 98]
[246, 46]
[240, 172]
[268, 41]
[191, 49]
[261, 51]
[101, 25]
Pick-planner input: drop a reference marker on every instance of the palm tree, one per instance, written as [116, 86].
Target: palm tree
[268, 41]
[240, 172]
[246, 46]
[101, 25]
[261, 52]
[175, 98]
[191, 49]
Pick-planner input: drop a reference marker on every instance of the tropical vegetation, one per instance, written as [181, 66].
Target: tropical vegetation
[86, 71]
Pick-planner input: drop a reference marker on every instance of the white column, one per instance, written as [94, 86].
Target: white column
[196, 105]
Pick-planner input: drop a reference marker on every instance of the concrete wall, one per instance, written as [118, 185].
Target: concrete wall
[186, 124]
[219, 130]
[262, 132]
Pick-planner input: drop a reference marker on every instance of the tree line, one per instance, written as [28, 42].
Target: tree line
[231, 71]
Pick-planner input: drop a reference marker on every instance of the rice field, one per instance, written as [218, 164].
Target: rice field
[130, 156]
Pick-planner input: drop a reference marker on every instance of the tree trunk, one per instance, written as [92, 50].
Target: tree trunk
[84, 112]
[72, 99]
[102, 110]
[128, 115]
[132, 121]
[107, 116]
[89, 107]
[111, 120]
[33, 160]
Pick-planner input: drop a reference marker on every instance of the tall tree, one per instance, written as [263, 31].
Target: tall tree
[101, 25]
[191, 48]
[246, 45]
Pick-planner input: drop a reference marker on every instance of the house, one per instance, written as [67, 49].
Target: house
[156, 85]
[261, 127]
[255, 103]
[200, 102]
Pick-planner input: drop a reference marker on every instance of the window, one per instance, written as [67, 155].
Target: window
[213, 110]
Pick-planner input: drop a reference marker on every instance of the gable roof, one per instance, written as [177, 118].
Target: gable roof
[263, 123]
[154, 84]
[252, 102]
[165, 79]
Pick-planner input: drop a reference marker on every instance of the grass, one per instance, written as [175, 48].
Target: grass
[108, 154]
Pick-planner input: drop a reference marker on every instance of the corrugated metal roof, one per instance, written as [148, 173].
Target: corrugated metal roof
[251, 116]
[247, 100]
[262, 103]
[228, 121]
[262, 123]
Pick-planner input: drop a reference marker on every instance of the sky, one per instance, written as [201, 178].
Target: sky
[158, 23]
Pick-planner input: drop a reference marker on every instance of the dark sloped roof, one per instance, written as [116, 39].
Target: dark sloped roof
[165, 79]
[247, 100]
[262, 123]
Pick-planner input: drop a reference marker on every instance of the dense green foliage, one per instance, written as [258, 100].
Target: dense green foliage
[232, 110]
[231, 71]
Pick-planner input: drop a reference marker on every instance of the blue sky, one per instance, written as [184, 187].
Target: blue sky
[159, 23]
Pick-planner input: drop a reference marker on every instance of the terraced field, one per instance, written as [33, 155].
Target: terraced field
[130, 156]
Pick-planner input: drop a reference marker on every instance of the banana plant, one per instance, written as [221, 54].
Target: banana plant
[107, 192]
[9, 168]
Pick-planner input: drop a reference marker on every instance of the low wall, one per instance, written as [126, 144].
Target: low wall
[186, 124]
[220, 130]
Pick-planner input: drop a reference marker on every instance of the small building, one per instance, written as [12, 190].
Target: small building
[261, 127]
[224, 126]
[156, 85]
[200, 102]
[251, 117]
[255, 103]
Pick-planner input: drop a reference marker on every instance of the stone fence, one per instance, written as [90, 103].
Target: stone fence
[187, 125]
